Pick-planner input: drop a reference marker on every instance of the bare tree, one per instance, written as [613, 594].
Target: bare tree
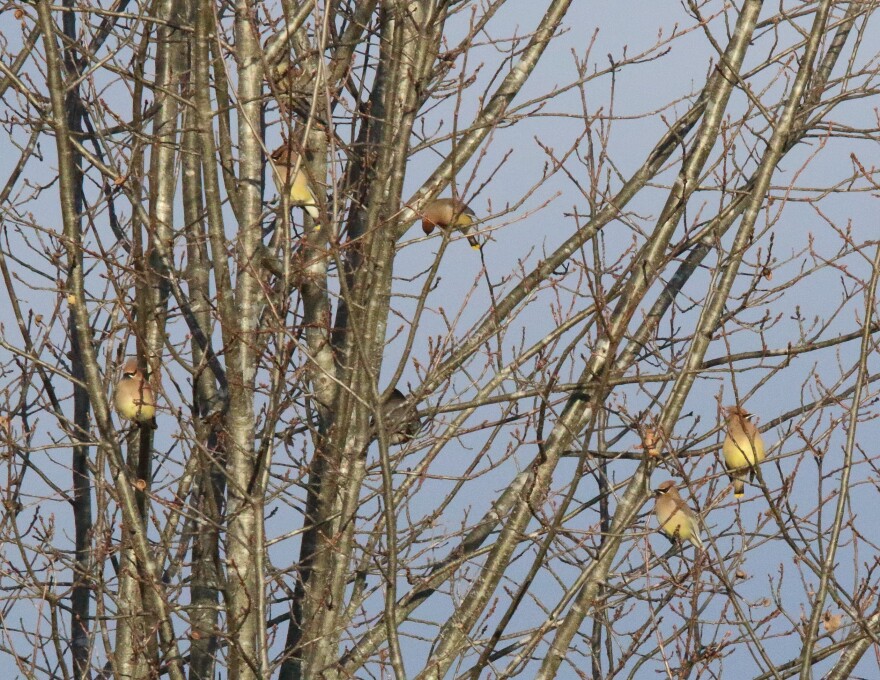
[383, 454]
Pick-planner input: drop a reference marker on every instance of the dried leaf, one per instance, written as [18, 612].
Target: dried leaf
[650, 442]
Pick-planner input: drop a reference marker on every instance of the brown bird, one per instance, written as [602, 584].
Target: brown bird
[743, 448]
[134, 397]
[291, 87]
[677, 521]
[286, 160]
[401, 423]
[446, 213]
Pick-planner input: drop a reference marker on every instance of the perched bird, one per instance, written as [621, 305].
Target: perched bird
[446, 213]
[743, 448]
[134, 397]
[291, 87]
[677, 521]
[301, 194]
[401, 423]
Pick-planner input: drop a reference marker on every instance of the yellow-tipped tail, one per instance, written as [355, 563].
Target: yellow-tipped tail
[739, 488]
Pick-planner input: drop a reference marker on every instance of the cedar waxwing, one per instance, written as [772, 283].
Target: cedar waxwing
[447, 212]
[134, 397]
[677, 521]
[290, 86]
[831, 622]
[743, 448]
[402, 424]
[301, 194]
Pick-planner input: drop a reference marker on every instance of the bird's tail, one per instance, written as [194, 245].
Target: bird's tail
[739, 486]
[475, 242]
[313, 212]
